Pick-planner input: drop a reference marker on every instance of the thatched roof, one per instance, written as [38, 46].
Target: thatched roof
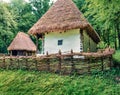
[62, 16]
[22, 42]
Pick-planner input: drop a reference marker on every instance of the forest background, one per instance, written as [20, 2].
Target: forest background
[19, 15]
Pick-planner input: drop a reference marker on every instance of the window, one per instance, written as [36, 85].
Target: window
[60, 42]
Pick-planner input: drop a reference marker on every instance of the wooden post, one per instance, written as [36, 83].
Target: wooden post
[72, 63]
[89, 44]
[11, 61]
[88, 49]
[37, 43]
[82, 38]
[26, 62]
[18, 62]
[102, 65]
[89, 61]
[10, 52]
[60, 62]
[43, 43]
[4, 64]
[26, 53]
[36, 64]
[48, 62]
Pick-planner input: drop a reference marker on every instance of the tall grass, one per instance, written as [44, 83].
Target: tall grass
[41, 83]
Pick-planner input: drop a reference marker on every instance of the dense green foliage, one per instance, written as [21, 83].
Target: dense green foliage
[39, 7]
[7, 26]
[37, 83]
[104, 15]
[19, 15]
[117, 55]
[23, 14]
[105, 18]
[116, 58]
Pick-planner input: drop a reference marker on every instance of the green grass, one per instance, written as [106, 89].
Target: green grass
[41, 83]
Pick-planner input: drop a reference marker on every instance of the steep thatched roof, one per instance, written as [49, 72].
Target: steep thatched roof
[62, 16]
[22, 42]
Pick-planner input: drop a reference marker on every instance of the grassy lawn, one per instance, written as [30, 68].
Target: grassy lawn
[41, 83]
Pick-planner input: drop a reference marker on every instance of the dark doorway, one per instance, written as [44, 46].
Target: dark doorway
[14, 52]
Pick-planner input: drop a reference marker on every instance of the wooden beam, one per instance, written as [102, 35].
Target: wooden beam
[82, 38]
[37, 37]
[43, 43]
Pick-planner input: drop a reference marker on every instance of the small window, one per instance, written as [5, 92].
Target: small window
[60, 42]
[81, 49]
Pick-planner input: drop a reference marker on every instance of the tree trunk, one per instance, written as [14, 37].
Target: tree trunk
[37, 43]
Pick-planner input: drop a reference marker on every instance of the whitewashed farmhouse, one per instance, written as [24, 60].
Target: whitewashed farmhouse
[63, 27]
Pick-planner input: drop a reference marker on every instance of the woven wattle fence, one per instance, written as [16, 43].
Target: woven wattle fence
[62, 63]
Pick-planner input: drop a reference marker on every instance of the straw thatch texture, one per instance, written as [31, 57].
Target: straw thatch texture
[62, 16]
[22, 42]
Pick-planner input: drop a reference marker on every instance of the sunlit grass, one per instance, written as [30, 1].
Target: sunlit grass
[42, 83]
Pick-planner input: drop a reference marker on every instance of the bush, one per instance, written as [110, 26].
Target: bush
[116, 58]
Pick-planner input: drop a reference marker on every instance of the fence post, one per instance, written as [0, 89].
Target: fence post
[89, 61]
[36, 63]
[4, 64]
[48, 62]
[26, 62]
[60, 62]
[18, 62]
[11, 61]
[72, 63]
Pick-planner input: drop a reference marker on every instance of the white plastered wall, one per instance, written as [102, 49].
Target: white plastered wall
[71, 40]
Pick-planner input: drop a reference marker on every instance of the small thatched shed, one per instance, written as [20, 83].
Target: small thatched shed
[22, 45]
[63, 27]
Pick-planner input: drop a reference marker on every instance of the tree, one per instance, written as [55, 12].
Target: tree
[81, 5]
[24, 15]
[104, 15]
[39, 7]
[7, 26]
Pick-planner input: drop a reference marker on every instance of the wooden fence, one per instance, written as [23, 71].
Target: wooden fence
[69, 63]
